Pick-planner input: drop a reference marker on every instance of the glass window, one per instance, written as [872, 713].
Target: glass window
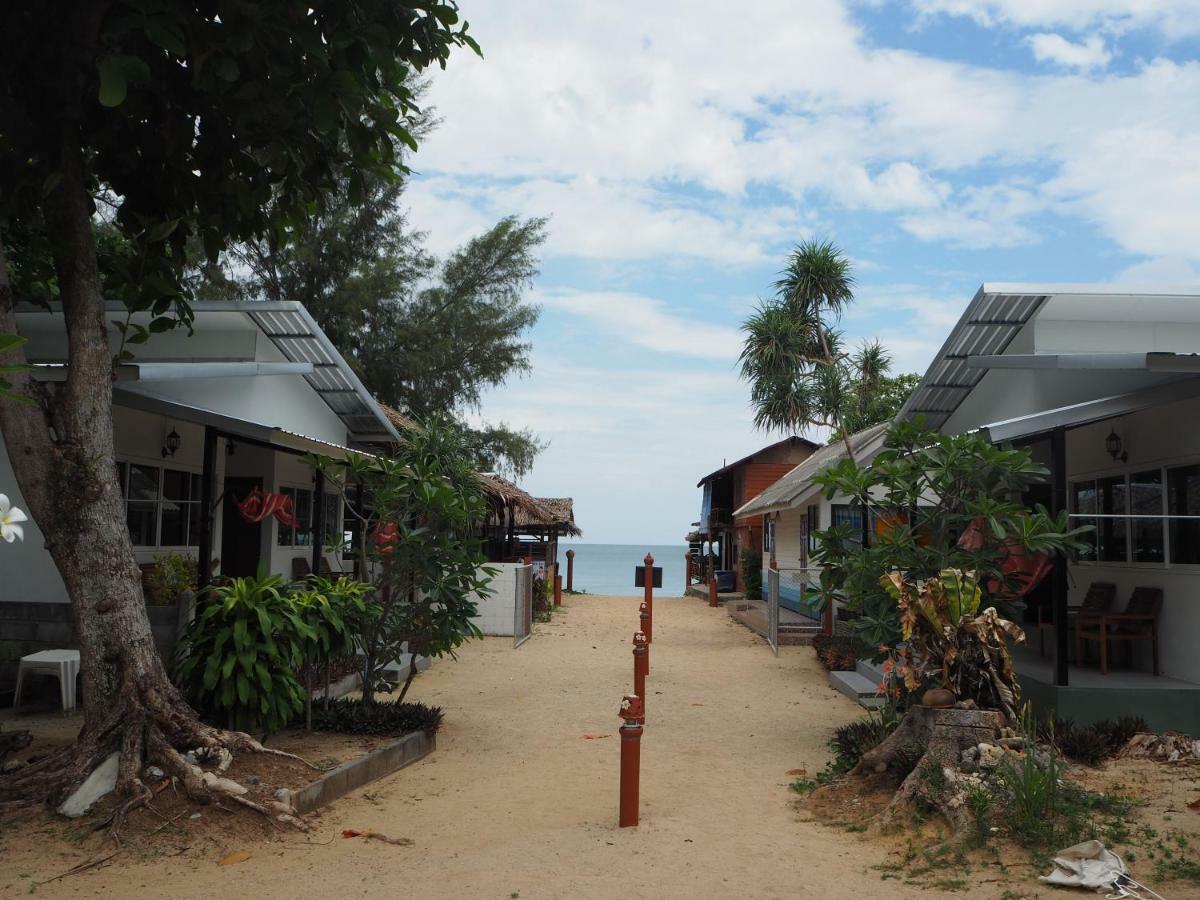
[142, 508]
[302, 510]
[1114, 501]
[1084, 502]
[1183, 499]
[1146, 504]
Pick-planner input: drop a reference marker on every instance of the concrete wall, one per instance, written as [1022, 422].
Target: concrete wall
[497, 612]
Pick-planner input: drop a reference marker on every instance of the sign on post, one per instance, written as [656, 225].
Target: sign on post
[639, 576]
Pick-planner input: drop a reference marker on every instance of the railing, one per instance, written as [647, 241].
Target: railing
[773, 610]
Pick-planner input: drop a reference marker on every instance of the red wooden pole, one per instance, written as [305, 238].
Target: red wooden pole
[712, 590]
[558, 590]
[649, 579]
[641, 668]
[633, 713]
[570, 571]
[644, 618]
[687, 572]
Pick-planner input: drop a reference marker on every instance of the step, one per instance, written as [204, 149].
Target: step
[868, 669]
[857, 687]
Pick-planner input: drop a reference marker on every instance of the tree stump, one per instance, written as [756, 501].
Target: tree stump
[922, 754]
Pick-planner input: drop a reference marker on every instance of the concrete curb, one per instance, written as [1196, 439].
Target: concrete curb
[358, 772]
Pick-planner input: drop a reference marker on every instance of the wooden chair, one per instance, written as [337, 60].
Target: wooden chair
[1139, 622]
[300, 567]
[1098, 599]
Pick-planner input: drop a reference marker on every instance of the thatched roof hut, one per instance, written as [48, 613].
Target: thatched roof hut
[503, 493]
[559, 515]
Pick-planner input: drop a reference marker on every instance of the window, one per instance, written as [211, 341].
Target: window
[1183, 499]
[1103, 497]
[162, 506]
[1146, 504]
[302, 510]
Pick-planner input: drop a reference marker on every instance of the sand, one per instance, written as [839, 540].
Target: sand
[517, 803]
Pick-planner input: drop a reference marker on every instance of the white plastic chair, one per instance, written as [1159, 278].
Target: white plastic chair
[63, 664]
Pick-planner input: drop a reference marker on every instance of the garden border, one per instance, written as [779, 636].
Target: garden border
[354, 774]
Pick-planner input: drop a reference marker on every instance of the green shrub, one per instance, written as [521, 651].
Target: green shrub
[751, 565]
[1118, 731]
[173, 573]
[381, 718]
[851, 741]
[838, 652]
[1092, 744]
[242, 652]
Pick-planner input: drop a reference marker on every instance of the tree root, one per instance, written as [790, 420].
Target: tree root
[150, 724]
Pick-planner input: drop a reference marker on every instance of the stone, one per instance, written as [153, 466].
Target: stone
[252, 779]
[971, 754]
[154, 773]
[968, 766]
[990, 756]
[100, 782]
[1012, 743]
[12, 765]
[283, 795]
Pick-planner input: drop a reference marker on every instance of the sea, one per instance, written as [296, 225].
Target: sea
[609, 568]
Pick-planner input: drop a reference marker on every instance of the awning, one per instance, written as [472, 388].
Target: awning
[1156, 361]
[280, 438]
[182, 371]
[1091, 411]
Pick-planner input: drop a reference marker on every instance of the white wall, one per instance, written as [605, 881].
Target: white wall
[497, 612]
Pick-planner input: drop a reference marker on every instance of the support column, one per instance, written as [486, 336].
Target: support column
[208, 489]
[1058, 577]
[570, 571]
[318, 545]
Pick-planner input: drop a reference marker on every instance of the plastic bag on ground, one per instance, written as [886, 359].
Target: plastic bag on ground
[1088, 865]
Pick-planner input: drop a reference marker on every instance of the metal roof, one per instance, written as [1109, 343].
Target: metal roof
[797, 484]
[988, 325]
[300, 339]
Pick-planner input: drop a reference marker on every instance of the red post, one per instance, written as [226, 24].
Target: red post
[644, 618]
[649, 579]
[570, 571]
[641, 668]
[712, 590]
[558, 590]
[687, 572]
[633, 712]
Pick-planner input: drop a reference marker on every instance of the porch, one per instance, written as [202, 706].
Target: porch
[1164, 702]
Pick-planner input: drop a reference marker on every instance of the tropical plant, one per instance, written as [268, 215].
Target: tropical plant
[334, 610]
[419, 512]
[241, 654]
[10, 342]
[935, 502]
[390, 718]
[801, 376]
[171, 576]
[751, 562]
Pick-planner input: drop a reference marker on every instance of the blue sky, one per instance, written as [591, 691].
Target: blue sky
[681, 148]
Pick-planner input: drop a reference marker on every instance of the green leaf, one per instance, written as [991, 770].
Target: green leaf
[9, 341]
[243, 689]
[113, 86]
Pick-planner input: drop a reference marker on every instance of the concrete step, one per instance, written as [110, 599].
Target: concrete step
[856, 687]
[868, 669]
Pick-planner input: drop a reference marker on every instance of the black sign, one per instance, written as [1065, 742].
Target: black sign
[639, 576]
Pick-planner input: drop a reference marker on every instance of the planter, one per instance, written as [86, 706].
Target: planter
[358, 772]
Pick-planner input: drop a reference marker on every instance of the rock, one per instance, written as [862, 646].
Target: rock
[1012, 743]
[252, 779]
[194, 816]
[969, 766]
[971, 754]
[283, 795]
[990, 756]
[154, 773]
[966, 704]
[12, 765]
[100, 782]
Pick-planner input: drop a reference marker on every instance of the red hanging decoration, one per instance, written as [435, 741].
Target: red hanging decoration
[384, 537]
[1024, 569]
[259, 506]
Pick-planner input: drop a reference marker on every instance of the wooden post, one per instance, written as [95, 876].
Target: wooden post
[208, 486]
[558, 590]
[687, 572]
[632, 711]
[649, 579]
[570, 571]
[641, 668]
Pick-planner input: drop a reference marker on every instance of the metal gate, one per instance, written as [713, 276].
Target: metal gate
[773, 610]
[523, 606]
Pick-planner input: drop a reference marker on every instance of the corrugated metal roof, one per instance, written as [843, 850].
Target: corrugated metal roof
[989, 324]
[797, 484]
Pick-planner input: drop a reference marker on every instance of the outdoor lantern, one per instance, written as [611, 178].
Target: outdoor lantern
[170, 443]
[1112, 444]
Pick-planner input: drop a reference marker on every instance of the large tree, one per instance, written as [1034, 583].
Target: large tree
[190, 123]
[426, 335]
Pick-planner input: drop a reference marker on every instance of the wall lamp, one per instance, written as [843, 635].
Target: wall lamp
[170, 443]
[1113, 445]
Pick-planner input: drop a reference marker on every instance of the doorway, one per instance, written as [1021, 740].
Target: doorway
[241, 541]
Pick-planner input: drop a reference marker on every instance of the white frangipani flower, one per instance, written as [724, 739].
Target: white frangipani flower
[10, 519]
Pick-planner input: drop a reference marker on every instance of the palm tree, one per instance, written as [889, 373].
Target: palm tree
[799, 375]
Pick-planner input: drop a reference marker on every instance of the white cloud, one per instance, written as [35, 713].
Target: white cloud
[1054, 48]
[647, 322]
[1174, 18]
[990, 216]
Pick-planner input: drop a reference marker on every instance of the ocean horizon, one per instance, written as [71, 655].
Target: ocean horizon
[609, 568]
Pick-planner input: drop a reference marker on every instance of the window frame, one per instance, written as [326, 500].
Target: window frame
[125, 463]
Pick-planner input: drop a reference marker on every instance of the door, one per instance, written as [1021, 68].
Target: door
[241, 541]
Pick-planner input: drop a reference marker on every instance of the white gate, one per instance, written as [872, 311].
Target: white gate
[523, 606]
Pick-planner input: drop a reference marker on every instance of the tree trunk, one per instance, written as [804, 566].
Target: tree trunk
[61, 447]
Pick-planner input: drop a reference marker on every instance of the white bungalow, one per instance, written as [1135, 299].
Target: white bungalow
[204, 419]
[1101, 383]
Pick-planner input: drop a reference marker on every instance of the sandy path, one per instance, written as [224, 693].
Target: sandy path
[515, 803]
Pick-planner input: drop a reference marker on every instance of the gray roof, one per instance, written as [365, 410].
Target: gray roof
[797, 484]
